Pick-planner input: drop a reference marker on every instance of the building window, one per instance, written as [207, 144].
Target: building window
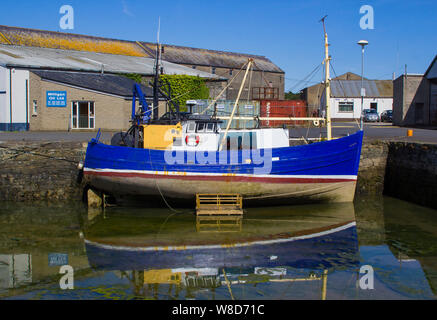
[35, 108]
[345, 107]
[213, 70]
[82, 115]
[194, 67]
[265, 93]
[230, 72]
[374, 105]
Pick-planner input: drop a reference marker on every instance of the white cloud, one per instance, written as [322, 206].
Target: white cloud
[126, 10]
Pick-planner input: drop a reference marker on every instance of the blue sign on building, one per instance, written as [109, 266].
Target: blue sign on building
[58, 259]
[56, 98]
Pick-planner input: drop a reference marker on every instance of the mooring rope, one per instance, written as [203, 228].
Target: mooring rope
[19, 152]
[159, 189]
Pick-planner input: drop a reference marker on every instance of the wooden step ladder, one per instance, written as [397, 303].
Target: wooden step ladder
[222, 204]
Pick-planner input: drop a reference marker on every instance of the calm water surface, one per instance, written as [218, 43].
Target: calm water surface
[299, 252]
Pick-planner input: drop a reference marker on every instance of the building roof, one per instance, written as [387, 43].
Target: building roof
[70, 60]
[214, 58]
[431, 72]
[67, 41]
[172, 53]
[106, 83]
[349, 76]
[352, 88]
[344, 76]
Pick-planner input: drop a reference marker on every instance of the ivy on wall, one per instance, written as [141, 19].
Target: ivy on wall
[134, 76]
[185, 88]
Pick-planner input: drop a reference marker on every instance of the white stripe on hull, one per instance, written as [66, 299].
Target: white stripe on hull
[220, 246]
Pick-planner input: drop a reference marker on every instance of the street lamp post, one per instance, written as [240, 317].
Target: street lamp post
[362, 43]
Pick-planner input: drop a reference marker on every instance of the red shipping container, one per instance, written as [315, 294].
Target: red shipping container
[282, 108]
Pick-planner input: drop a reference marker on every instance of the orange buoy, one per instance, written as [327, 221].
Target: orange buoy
[409, 133]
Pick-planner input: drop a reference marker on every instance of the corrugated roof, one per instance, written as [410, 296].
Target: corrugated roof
[352, 88]
[33, 57]
[349, 76]
[176, 54]
[68, 41]
[344, 76]
[106, 83]
[205, 57]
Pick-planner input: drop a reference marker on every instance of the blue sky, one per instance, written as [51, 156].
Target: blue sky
[287, 32]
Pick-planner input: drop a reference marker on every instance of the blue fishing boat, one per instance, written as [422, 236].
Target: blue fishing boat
[319, 171]
[180, 155]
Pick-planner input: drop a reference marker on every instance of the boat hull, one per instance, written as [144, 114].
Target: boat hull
[186, 189]
[320, 172]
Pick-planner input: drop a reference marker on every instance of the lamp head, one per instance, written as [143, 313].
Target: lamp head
[363, 43]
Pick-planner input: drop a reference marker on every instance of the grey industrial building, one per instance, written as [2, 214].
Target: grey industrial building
[415, 98]
[267, 79]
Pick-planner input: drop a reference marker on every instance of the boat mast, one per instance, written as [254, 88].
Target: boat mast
[249, 65]
[327, 83]
[156, 78]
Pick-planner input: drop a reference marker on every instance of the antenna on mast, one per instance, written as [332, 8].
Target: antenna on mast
[159, 28]
[323, 21]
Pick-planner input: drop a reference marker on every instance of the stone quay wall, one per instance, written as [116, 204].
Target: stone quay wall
[373, 163]
[411, 173]
[33, 171]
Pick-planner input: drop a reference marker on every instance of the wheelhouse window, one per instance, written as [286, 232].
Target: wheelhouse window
[200, 127]
[191, 127]
[210, 127]
[82, 115]
[345, 106]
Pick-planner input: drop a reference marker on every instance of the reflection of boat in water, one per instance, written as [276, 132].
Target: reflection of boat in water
[312, 249]
[285, 247]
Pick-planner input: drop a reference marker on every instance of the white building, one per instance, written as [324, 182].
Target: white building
[345, 100]
[14, 99]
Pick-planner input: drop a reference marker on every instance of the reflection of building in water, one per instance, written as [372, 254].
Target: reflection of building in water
[24, 270]
[219, 223]
[146, 282]
[15, 270]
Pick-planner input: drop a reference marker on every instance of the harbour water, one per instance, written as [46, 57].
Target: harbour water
[376, 248]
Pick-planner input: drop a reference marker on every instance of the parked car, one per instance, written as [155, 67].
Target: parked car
[387, 116]
[370, 115]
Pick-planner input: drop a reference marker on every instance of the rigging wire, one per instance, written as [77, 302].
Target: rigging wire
[339, 81]
[220, 75]
[307, 78]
